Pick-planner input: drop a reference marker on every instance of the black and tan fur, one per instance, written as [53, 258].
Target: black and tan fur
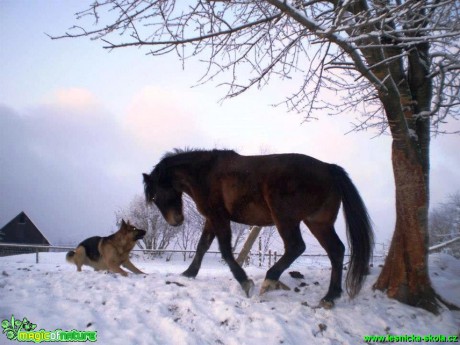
[108, 253]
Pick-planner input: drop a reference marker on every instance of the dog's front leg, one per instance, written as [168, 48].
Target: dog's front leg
[130, 266]
[115, 268]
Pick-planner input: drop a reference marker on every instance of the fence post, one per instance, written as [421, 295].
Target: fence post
[260, 251]
[36, 255]
[275, 258]
[269, 258]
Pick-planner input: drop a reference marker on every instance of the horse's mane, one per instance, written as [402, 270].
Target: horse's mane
[179, 151]
[180, 157]
[188, 155]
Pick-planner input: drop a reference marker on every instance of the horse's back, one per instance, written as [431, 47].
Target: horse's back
[254, 188]
[286, 173]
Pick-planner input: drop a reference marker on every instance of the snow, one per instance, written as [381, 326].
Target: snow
[166, 308]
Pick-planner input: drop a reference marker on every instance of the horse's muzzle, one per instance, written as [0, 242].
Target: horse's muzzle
[140, 234]
[175, 219]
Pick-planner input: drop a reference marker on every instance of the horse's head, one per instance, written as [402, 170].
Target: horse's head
[161, 192]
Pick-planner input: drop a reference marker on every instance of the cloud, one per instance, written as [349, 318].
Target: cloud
[73, 98]
[68, 165]
[161, 119]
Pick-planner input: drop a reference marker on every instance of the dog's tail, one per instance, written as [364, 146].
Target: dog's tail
[70, 256]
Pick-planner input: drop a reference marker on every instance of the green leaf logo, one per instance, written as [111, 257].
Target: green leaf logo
[12, 327]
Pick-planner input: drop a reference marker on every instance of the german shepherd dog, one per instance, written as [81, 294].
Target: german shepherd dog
[108, 253]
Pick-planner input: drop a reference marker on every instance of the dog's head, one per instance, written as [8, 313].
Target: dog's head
[131, 231]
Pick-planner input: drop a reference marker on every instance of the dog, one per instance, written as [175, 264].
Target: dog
[108, 253]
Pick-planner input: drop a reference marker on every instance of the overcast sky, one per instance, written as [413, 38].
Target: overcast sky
[79, 125]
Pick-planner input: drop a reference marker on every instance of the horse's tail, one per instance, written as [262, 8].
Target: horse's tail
[359, 231]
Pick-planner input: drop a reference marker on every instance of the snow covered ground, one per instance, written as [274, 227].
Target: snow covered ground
[166, 308]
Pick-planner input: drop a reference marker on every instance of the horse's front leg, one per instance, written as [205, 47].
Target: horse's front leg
[203, 245]
[224, 236]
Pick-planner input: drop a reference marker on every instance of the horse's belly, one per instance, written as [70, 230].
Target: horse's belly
[251, 214]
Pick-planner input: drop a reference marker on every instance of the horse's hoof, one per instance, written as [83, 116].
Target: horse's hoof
[326, 304]
[189, 274]
[270, 285]
[248, 287]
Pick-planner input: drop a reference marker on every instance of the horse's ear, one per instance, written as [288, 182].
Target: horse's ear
[146, 177]
[123, 222]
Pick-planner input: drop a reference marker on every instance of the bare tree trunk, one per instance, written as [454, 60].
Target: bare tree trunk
[253, 234]
[405, 273]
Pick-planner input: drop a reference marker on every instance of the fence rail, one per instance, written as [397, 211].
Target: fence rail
[255, 257]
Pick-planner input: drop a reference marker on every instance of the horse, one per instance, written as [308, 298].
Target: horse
[278, 189]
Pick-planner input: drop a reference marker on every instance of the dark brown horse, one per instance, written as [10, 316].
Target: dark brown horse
[280, 189]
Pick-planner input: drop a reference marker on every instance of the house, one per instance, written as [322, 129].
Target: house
[21, 230]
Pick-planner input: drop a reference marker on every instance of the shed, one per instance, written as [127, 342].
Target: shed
[21, 230]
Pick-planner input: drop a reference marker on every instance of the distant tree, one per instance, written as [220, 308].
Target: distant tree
[267, 235]
[395, 61]
[159, 233]
[445, 223]
[239, 232]
[187, 238]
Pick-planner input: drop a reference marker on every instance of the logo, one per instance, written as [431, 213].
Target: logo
[24, 331]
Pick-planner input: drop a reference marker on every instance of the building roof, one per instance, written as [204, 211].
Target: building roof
[21, 229]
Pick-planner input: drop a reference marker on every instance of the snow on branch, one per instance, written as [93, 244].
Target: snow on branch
[443, 245]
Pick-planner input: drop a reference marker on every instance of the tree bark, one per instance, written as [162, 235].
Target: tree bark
[405, 273]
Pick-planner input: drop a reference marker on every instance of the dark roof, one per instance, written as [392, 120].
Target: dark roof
[21, 229]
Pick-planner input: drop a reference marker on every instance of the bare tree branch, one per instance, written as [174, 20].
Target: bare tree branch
[332, 40]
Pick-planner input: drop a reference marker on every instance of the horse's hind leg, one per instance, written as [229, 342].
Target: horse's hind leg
[294, 246]
[203, 245]
[327, 237]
